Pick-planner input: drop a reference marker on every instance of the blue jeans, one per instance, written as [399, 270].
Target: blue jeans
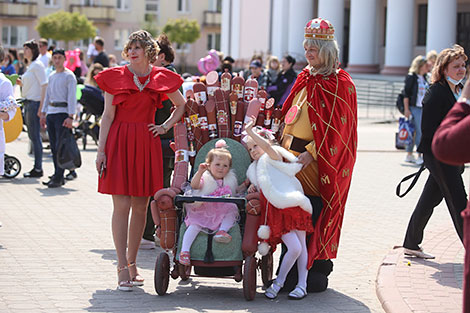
[32, 121]
[54, 129]
[416, 113]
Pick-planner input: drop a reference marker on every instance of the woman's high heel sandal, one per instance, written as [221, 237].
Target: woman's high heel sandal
[136, 280]
[124, 285]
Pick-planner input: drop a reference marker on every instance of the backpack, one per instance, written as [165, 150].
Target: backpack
[400, 104]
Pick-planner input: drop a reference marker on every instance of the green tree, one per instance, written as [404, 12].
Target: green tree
[65, 26]
[182, 31]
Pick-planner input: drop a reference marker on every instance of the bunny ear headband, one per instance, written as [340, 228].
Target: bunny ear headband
[263, 132]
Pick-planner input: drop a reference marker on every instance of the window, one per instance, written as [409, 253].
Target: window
[89, 3]
[14, 36]
[51, 3]
[184, 6]
[215, 5]
[184, 48]
[123, 4]
[84, 43]
[422, 24]
[151, 6]
[213, 41]
[120, 38]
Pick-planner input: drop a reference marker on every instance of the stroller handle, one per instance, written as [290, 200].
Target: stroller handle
[180, 200]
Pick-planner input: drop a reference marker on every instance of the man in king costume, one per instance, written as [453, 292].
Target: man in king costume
[320, 117]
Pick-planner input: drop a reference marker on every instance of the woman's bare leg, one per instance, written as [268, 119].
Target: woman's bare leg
[136, 229]
[119, 226]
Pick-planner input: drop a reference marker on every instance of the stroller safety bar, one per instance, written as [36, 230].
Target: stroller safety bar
[180, 200]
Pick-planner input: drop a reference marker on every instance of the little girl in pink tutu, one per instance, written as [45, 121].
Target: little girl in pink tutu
[213, 178]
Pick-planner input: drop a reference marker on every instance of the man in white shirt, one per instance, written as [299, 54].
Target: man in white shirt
[58, 109]
[44, 56]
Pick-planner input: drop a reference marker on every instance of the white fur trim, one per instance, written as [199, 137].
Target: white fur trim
[264, 231]
[278, 182]
[210, 184]
[251, 173]
[263, 248]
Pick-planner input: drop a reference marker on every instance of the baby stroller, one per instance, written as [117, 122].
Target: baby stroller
[12, 166]
[208, 258]
[12, 129]
[93, 106]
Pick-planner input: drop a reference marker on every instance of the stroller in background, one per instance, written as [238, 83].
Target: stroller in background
[93, 106]
[12, 130]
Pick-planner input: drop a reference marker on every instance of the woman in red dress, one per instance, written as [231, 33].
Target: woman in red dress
[129, 159]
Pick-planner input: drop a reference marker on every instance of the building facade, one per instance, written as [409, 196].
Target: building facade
[115, 20]
[374, 36]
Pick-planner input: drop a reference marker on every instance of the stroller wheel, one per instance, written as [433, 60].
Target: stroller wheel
[12, 166]
[249, 278]
[162, 273]
[267, 268]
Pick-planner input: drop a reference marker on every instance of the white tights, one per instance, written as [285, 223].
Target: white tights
[296, 250]
[191, 232]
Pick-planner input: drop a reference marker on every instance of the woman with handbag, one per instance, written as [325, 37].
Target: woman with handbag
[416, 85]
[444, 181]
[129, 159]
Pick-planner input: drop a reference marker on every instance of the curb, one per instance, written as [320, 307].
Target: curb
[386, 289]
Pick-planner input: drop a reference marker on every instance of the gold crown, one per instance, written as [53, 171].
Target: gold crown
[319, 28]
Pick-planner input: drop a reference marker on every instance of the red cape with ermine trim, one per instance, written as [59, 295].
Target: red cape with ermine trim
[333, 117]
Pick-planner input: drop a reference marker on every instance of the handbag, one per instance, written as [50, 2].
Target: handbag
[404, 136]
[68, 155]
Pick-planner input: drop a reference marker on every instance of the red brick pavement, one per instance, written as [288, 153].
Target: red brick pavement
[408, 284]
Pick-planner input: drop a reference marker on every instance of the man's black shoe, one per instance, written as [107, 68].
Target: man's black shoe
[71, 175]
[55, 183]
[33, 173]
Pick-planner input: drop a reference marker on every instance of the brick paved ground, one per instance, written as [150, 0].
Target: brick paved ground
[56, 250]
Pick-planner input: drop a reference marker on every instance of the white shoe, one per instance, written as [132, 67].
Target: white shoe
[419, 254]
[410, 158]
[419, 161]
[157, 241]
[147, 244]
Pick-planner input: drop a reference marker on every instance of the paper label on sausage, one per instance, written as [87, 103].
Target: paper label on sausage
[225, 84]
[233, 107]
[201, 97]
[249, 94]
[203, 122]
[213, 130]
[222, 118]
[237, 128]
[194, 120]
[211, 90]
[275, 125]
[181, 156]
[238, 89]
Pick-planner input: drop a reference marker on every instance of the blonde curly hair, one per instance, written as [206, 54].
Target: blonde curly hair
[146, 41]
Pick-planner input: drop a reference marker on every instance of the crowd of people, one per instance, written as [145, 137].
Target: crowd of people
[145, 97]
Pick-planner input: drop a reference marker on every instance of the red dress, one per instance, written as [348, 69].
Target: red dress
[282, 221]
[133, 155]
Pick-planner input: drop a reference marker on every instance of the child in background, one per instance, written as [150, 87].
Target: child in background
[213, 178]
[285, 211]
